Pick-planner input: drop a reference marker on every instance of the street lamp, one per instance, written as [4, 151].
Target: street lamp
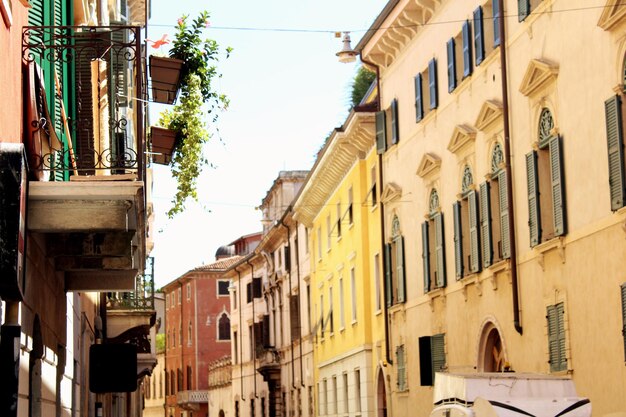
[347, 54]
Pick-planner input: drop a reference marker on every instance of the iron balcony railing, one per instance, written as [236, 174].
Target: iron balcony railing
[85, 100]
[141, 298]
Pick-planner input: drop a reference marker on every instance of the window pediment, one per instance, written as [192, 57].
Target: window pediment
[539, 74]
[613, 13]
[490, 112]
[391, 192]
[429, 164]
[462, 135]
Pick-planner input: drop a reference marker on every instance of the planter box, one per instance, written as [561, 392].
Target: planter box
[165, 76]
[163, 141]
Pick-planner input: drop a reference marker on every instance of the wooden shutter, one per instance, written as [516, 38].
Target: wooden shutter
[615, 143]
[623, 290]
[458, 240]
[381, 132]
[479, 41]
[558, 186]
[451, 66]
[439, 250]
[249, 292]
[287, 254]
[257, 289]
[485, 224]
[556, 337]
[265, 328]
[523, 9]
[503, 197]
[400, 275]
[419, 105]
[534, 217]
[432, 83]
[294, 316]
[437, 349]
[426, 256]
[495, 7]
[474, 232]
[395, 129]
[467, 49]
[388, 274]
[119, 67]
[426, 363]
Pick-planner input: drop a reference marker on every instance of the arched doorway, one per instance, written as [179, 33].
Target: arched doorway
[382, 396]
[492, 357]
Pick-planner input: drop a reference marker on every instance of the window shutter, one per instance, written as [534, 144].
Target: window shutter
[401, 368]
[534, 224]
[451, 66]
[485, 224]
[426, 256]
[556, 337]
[623, 290]
[381, 132]
[119, 68]
[458, 240]
[558, 186]
[294, 316]
[615, 142]
[388, 273]
[479, 41]
[400, 269]
[419, 105]
[287, 254]
[495, 6]
[265, 327]
[504, 215]
[467, 49]
[257, 289]
[258, 336]
[249, 292]
[395, 131]
[474, 235]
[432, 83]
[426, 363]
[523, 9]
[439, 250]
[437, 348]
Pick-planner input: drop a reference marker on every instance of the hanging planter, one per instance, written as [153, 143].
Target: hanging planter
[163, 143]
[165, 77]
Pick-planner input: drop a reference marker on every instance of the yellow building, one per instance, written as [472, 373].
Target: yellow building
[504, 182]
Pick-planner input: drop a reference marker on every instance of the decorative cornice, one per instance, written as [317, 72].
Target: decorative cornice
[490, 112]
[430, 164]
[539, 74]
[613, 13]
[462, 135]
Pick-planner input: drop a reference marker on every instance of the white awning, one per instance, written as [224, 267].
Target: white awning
[538, 407]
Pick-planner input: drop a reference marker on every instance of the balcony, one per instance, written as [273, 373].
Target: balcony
[85, 140]
[191, 399]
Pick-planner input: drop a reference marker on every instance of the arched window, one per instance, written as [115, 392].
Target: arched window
[546, 187]
[433, 251]
[491, 356]
[394, 263]
[223, 327]
[466, 228]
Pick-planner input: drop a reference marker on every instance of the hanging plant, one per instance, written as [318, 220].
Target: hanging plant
[187, 117]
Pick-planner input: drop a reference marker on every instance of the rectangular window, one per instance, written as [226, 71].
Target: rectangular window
[342, 320]
[353, 294]
[330, 311]
[373, 190]
[180, 297]
[322, 322]
[433, 254]
[167, 301]
[329, 230]
[338, 224]
[236, 408]
[395, 122]
[235, 348]
[400, 369]
[346, 401]
[394, 271]
[615, 143]
[556, 337]
[335, 395]
[188, 291]
[466, 237]
[249, 292]
[325, 395]
[252, 410]
[377, 281]
[257, 287]
[381, 132]
[419, 98]
[222, 288]
[466, 32]
[350, 207]
[235, 301]
[495, 6]
[357, 390]
[432, 358]
[479, 39]
[294, 319]
[433, 97]
[450, 47]
[306, 240]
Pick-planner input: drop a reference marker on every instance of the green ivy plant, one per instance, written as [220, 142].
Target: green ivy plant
[200, 57]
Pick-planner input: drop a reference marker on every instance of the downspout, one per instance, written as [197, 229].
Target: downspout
[243, 398]
[297, 249]
[382, 216]
[253, 335]
[507, 168]
[282, 222]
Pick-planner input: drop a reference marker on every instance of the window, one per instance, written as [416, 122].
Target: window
[377, 281]
[556, 337]
[350, 207]
[623, 290]
[353, 294]
[306, 240]
[294, 316]
[167, 383]
[287, 256]
[373, 187]
[180, 335]
[394, 265]
[223, 325]
[235, 348]
[322, 322]
[400, 369]
[189, 378]
[335, 395]
[180, 297]
[328, 232]
[222, 288]
[524, 7]
[346, 402]
[546, 188]
[495, 12]
[479, 40]
[179, 379]
[458, 51]
[494, 213]
[357, 389]
[325, 395]
[432, 358]
[338, 224]
[615, 141]
[330, 311]
[466, 228]
[189, 330]
[433, 246]
[426, 78]
[236, 408]
[252, 410]
[167, 301]
[188, 291]
[486, 32]
[384, 138]
[342, 319]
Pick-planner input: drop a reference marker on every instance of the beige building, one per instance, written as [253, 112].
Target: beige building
[506, 180]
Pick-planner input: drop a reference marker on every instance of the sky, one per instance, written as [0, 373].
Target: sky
[287, 92]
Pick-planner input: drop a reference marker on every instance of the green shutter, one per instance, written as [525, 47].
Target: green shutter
[119, 68]
[467, 49]
[440, 278]
[534, 214]
[388, 276]
[495, 7]
[437, 348]
[556, 337]
[395, 130]
[451, 66]
[479, 42]
[503, 197]
[474, 235]
[458, 240]
[615, 142]
[485, 224]
[623, 290]
[401, 368]
[381, 132]
[419, 104]
[400, 275]
[523, 9]
[426, 256]
[558, 186]
[432, 83]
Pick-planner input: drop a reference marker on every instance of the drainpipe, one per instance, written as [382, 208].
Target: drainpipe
[507, 167]
[253, 335]
[299, 295]
[282, 222]
[243, 398]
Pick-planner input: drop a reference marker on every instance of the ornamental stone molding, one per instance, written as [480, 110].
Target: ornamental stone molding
[539, 75]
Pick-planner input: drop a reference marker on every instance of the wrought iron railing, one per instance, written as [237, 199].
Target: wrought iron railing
[142, 298]
[85, 100]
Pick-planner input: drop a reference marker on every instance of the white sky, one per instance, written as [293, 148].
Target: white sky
[287, 92]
